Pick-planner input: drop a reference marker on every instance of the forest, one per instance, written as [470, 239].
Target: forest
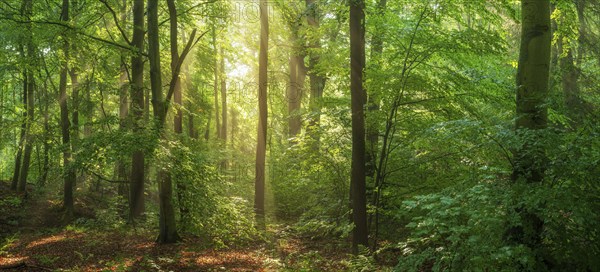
[299, 135]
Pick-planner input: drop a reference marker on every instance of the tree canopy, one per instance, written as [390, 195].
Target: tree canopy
[300, 135]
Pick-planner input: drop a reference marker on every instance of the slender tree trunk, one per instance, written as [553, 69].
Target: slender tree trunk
[191, 128]
[223, 136]
[75, 115]
[29, 120]
[223, 99]
[167, 224]
[207, 130]
[317, 80]
[136, 198]
[261, 146]
[123, 189]
[46, 163]
[69, 172]
[373, 97]
[570, 84]
[177, 123]
[532, 116]
[358, 179]
[372, 125]
[296, 86]
[17, 171]
[75, 107]
[216, 84]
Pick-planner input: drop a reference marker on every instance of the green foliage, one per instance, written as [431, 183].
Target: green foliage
[205, 207]
[459, 230]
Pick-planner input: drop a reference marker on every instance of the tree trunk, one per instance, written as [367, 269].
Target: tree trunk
[373, 97]
[121, 166]
[532, 116]
[167, 224]
[69, 172]
[46, 139]
[216, 84]
[261, 146]
[191, 128]
[136, 190]
[178, 128]
[29, 119]
[570, 85]
[296, 86]
[123, 189]
[17, 171]
[372, 126]
[358, 178]
[223, 99]
[317, 81]
[532, 83]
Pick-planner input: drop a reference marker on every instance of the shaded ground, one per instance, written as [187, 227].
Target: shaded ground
[33, 237]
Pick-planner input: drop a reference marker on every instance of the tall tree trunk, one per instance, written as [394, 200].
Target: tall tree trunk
[18, 158]
[358, 178]
[532, 83]
[29, 119]
[532, 115]
[317, 80]
[46, 139]
[216, 83]
[223, 99]
[121, 166]
[372, 126]
[167, 224]
[373, 97]
[177, 122]
[223, 136]
[136, 190]
[261, 146]
[570, 84]
[69, 172]
[296, 86]
[123, 189]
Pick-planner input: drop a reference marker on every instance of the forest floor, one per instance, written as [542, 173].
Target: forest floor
[33, 237]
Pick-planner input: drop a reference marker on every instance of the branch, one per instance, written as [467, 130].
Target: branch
[188, 10]
[77, 31]
[114, 15]
[105, 179]
[175, 73]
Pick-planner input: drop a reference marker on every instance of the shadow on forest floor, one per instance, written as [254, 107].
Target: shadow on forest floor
[34, 237]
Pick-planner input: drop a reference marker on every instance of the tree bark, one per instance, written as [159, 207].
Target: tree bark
[317, 80]
[532, 91]
[358, 178]
[29, 119]
[532, 83]
[177, 125]
[18, 158]
[216, 83]
[296, 85]
[167, 224]
[69, 172]
[372, 126]
[136, 190]
[261, 146]
[223, 99]
[373, 97]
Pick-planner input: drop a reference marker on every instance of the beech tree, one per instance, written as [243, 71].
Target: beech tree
[532, 114]
[358, 95]
[261, 146]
